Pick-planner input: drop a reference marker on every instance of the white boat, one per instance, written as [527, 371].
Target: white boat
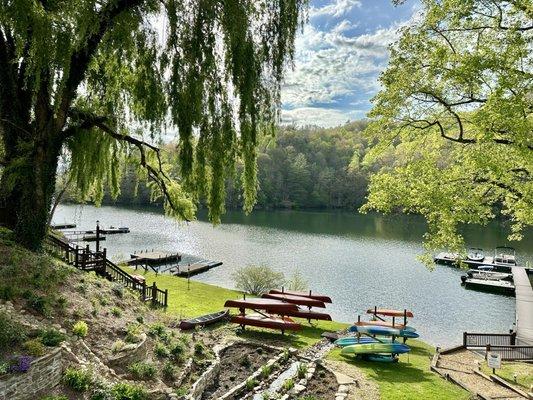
[475, 254]
[487, 272]
[504, 255]
[490, 285]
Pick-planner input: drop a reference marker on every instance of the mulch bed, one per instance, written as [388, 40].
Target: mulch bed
[323, 385]
[237, 363]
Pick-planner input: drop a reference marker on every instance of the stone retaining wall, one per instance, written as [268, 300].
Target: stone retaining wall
[45, 373]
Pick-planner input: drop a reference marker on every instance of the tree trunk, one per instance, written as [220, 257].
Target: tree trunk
[27, 183]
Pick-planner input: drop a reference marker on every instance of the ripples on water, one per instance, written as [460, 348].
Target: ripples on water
[360, 260]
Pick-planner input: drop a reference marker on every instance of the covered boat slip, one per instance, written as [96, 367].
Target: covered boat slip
[524, 307]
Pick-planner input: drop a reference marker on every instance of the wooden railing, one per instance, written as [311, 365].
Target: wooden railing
[85, 259]
[483, 339]
[500, 343]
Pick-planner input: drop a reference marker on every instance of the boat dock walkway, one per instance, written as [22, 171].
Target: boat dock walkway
[524, 307]
[153, 257]
[179, 264]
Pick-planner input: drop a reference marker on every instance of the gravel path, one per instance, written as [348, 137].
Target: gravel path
[364, 389]
[460, 365]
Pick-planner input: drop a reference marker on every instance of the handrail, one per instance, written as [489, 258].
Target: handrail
[86, 259]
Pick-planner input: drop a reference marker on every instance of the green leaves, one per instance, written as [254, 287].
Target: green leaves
[455, 114]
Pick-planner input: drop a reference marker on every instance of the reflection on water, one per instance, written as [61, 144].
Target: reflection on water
[360, 260]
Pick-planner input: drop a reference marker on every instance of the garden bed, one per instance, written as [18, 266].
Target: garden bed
[323, 385]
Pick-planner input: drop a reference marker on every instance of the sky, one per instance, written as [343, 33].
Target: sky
[338, 59]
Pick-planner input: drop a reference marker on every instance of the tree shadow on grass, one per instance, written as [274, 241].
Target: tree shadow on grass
[299, 339]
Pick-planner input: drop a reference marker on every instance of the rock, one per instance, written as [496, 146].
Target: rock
[299, 388]
[340, 396]
[343, 389]
[63, 331]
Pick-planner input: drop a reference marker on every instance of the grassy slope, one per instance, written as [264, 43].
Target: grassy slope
[523, 371]
[408, 379]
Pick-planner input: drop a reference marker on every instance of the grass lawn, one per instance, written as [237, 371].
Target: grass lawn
[523, 371]
[409, 379]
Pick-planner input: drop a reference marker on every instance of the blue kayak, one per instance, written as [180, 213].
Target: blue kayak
[376, 348]
[350, 340]
[383, 331]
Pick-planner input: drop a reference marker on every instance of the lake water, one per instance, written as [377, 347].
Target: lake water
[359, 260]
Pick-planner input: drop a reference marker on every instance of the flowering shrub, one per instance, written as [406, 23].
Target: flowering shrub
[20, 364]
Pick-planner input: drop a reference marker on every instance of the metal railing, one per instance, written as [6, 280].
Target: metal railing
[500, 343]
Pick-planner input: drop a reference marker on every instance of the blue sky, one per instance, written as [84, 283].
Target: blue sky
[339, 57]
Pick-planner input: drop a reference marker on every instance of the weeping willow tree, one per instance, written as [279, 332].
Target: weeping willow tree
[91, 75]
[455, 113]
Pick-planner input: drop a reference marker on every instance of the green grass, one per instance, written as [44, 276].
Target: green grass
[408, 379]
[523, 371]
[411, 378]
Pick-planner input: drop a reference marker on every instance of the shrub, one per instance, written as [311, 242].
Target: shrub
[78, 379]
[297, 282]
[257, 279]
[199, 349]
[20, 364]
[142, 370]
[116, 312]
[251, 383]
[11, 332]
[169, 370]
[140, 319]
[34, 347]
[61, 302]
[37, 303]
[133, 333]
[161, 351]
[51, 337]
[158, 330]
[124, 391]
[7, 292]
[80, 329]
[302, 371]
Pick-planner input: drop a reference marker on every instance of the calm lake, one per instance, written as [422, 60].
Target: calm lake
[359, 260]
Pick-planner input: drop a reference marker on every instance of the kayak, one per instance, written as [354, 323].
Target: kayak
[351, 340]
[380, 357]
[390, 313]
[386, 324]
[204, 320]
[376, 348]
[309, 294]
[269, 305]
[308, 314]
[383, 331]
[299, 300]
[262, 321]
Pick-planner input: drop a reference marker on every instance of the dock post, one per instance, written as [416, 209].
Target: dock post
[487, 351]
[464, 340]
[166, 297]
[144, 291]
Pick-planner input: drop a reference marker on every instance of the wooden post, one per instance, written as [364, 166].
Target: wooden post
[97, 236]
[76, 257]
[154, 294]
[144, 291]
[166, 298]
[104, 257]
[464, 339]
[487, 351]
[513, 338]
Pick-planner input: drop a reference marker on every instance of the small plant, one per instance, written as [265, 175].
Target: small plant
[11, 332]
[118, 290]
[142, 370]
[78, 379]
[199, 349]
[116, 312]
[133, 333]
[51, 337]
[102, 300]
[34, 347]
[286, 355]
[55, 398]
[61, 303]
[178, 350]
[245, 361]
[302, 371]
[124, 391]
[169, 370]
[251, 383]
[4, 368]
[140, 319]
[20, 364]
[288, 385]
[80, 329]
[117, 346]
[158, 330]
[161, 351]
[37, 303]
[266, 370]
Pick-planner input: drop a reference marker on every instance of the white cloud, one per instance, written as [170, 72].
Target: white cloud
[326, 117]
[336, 9]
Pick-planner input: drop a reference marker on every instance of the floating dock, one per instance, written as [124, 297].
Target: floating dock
[455, 259]
[153, 258]
[524, 307]
[63, 226]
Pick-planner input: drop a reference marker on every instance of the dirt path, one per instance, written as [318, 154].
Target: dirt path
[460, 365]
[364, 389]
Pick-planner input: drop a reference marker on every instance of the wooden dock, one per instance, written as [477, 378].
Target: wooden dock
[524, 307]
[153, 257]
[65, 225]
[186, 270]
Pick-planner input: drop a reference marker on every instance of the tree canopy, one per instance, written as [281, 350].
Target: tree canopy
[104, 78]
[455, 113]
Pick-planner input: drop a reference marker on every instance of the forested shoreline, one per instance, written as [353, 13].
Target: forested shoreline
[298, 168]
